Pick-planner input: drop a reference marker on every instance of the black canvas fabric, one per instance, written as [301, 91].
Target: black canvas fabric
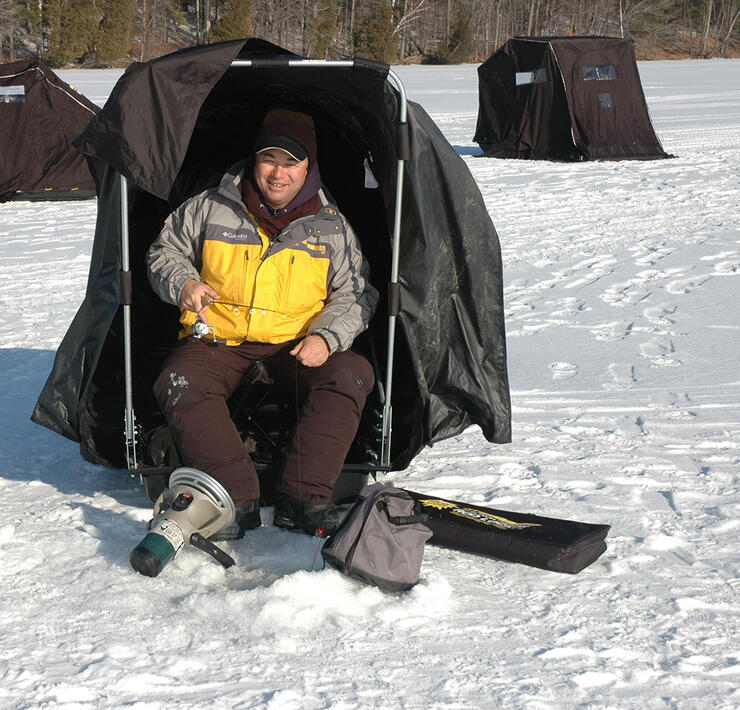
[173, 125]
[548, 543]
[40, 116]
[565, 112]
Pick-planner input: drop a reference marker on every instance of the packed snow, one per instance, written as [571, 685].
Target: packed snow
[623, 336]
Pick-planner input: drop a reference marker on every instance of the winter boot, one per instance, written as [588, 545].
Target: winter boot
[300, 517]
[247, 518]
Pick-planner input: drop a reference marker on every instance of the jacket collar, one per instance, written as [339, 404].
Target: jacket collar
[229, 185]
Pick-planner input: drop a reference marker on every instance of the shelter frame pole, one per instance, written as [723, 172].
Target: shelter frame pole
[393, 284]
[129, 417]
[306, 63]
[395, 81]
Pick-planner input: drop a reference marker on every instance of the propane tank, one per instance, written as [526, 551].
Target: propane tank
[193, 507]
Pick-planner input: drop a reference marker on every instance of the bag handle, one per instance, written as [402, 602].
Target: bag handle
[402, 519]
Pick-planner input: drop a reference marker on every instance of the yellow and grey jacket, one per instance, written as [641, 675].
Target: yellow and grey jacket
[310, 279]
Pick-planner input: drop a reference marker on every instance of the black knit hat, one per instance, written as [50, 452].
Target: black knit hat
[291, 131]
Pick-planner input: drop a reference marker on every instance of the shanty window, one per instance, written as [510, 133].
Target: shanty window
[538, 76]
[12, 94]
[599, 72]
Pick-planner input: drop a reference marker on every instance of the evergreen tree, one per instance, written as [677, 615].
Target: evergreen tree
[653, 16]
[322, 28]
[116, 28]
[373, 35]
[51, 25]
[235, 23]
[460, 44]
[66, 31]
[70, 30]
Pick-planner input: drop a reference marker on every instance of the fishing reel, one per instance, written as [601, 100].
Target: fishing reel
[191, 509]
[201, 329]
[205, 332]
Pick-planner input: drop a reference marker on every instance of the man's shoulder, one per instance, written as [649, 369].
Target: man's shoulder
[329, 211]
[327, 220]
[209, 196]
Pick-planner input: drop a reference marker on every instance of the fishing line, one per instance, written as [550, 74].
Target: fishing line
[251, 309]
[297, 437]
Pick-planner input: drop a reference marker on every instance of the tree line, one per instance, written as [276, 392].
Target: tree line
[116, 32]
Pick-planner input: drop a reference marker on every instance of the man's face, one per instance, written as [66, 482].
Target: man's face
[279, 176]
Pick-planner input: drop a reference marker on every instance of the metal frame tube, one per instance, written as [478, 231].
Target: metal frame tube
[129, 417]
[348, 63]
[395, 256]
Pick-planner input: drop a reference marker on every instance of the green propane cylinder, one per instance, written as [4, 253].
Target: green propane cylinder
[158, 548]
[187, 512]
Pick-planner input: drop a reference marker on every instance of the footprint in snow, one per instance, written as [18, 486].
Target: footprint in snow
[725, 268]
[649, 256]
[625, 294]
[660, 315]
[567, 306]
[687, 285]
[660, 353]
[675, 406]
[725, 263]
[623, 376]
[611, 332]
[563, 370]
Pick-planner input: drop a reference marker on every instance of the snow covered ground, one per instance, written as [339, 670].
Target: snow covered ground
[622, 317]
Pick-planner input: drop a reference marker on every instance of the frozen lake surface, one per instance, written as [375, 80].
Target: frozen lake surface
[623, 333]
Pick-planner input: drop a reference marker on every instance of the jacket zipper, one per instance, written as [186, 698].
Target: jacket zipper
[289, 281]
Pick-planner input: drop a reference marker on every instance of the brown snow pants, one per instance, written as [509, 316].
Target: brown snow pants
[198, 378]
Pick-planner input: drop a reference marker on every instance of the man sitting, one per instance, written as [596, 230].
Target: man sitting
[273, 273]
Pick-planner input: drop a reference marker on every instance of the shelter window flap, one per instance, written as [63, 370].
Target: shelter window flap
[12, 94]
[600, 72]
[538, 76]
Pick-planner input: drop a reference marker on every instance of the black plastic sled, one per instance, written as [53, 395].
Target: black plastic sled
[548, 543]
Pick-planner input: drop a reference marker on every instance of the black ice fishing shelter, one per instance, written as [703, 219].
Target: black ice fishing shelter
[40, 116]
[564, 98]
[169, 129]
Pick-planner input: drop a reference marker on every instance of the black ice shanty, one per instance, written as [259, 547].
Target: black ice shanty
[40, 116]
[170, 127]
[564, 98]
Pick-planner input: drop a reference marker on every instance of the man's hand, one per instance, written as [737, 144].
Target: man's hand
[312, 351]
[196, 296]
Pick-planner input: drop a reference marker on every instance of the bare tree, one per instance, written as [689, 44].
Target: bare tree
[728, 18]
[328, 28]
[408, 13]
[10, 27]
[708, 8]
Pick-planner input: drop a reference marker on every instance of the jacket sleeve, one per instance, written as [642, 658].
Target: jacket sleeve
[352, 299]
[173, 258]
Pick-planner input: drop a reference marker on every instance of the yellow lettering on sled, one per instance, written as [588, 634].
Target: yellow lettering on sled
[478, 516]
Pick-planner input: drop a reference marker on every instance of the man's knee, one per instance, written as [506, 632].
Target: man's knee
[363, 373]
[353, 374]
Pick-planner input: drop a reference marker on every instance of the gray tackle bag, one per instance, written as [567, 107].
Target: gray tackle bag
[381, 541]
